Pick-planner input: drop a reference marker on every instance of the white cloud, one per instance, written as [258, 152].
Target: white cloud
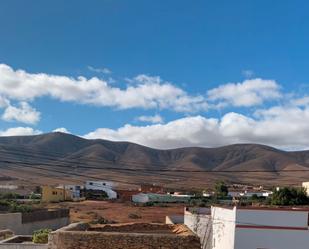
[282, 127]
[23, 113]
[245, 94]
[303, 101]
[62, 129]
[103, 70]
[20, 131]
[148, 92]
[152, 119]
[4, 102]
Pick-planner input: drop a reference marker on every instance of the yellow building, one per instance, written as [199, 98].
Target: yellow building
[55, 194]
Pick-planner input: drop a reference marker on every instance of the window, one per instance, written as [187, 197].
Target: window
[54, 193]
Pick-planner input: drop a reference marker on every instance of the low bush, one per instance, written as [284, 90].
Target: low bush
[41, 236]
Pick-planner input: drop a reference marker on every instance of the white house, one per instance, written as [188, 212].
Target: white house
[249, 194]
[75, 190]
[105, 186]
[259, 228]
[305, 185]
[160, 198]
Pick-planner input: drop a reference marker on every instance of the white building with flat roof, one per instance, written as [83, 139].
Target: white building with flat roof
[259, 228]
[305, 185]
[105, 186]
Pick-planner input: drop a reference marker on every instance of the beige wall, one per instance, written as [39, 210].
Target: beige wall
[51, 194]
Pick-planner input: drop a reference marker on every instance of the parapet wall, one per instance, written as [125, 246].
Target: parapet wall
[26, 224]
[107, 237]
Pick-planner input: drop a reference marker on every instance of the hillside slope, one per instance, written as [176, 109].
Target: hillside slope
[60, 156]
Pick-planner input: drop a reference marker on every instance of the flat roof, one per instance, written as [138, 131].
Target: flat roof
[268, 208]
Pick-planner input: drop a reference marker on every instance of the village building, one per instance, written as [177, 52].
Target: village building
[151, 188]
[76, 191]
[56, 194]
[252, 228]
[126, 195]
[250, 193]
[159, 198]
[305, 185]
[106, 186]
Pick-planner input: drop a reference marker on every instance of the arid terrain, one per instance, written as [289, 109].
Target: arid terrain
[55, 158]
[119, 211]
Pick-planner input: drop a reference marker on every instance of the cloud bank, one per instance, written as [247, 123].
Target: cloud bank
[282, 127]
[147, 92]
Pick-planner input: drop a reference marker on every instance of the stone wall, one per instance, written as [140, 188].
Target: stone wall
[71, 238]
[5, 234]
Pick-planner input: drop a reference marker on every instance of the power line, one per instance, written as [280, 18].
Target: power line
[97, 161]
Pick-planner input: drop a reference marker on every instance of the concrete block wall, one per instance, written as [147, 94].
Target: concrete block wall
[13, 221]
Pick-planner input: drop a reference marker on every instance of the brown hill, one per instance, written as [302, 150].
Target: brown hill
[59, 157]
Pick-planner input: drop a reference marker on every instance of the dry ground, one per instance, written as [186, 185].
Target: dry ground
[119, 211]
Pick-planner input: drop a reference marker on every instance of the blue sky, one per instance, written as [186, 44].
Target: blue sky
[140, 48]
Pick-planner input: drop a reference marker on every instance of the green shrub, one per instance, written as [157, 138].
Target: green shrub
[41, 236]
[17, 208]
[290, 196]
[221, 189]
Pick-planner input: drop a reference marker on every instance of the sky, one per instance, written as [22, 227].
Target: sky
[162, 73]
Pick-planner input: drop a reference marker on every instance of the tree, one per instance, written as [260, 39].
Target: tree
[38, 190]
[289, 196]
[221, 189]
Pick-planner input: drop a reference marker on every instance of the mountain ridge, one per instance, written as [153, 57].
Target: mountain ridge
[65, 151]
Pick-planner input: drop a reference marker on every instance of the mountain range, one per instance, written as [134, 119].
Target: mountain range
[60, 158]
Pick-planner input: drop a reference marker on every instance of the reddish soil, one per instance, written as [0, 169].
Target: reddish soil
[121, 212]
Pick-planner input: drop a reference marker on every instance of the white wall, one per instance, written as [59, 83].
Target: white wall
[272, 217]
[103, 186]
[223, 227]
[174, 219]
[288, 235]
[201, 225]
[140, 198]
[272, 239]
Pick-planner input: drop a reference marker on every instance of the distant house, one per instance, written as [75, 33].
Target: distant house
[105, 186]
[75, 190]
[56, 194]
[248, 193]
[126, 195]
[306, 187]
[151, 188]
[160, 198]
